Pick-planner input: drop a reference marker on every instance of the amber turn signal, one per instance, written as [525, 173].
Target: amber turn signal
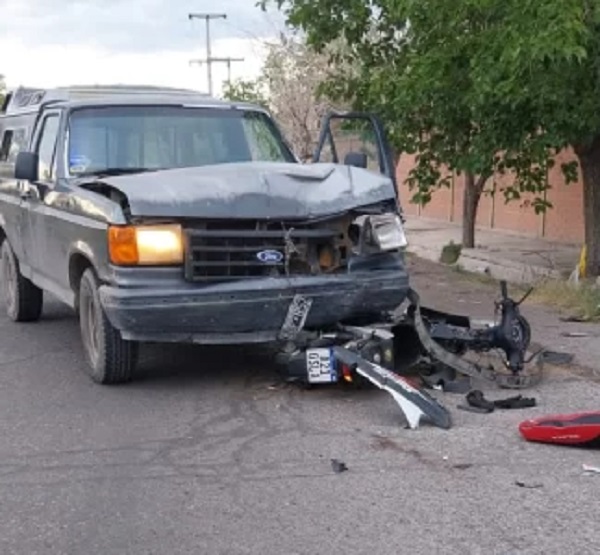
[122, 246]
[158, 245]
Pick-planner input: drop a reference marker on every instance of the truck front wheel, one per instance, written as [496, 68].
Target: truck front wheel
[24, 301]
[110, 358]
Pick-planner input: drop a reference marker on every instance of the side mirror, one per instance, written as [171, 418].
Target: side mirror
[26, 166]
[356, 159]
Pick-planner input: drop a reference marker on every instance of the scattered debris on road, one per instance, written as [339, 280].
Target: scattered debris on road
[591, 469]
[462, 466]
[444, 379]
[576, 334]
[528, 486]
[578, 429]
[338, 466]
[516, 402]
[558, 359]
[477, 401]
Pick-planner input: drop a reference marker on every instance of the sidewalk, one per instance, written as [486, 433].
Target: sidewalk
[499, 254]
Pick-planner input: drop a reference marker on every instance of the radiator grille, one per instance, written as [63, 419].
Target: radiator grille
[253, 250]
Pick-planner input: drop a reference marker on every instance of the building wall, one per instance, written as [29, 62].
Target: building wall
[562, 223]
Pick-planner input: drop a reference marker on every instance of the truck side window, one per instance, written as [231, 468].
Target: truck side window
[13, 142]
[47, 146]
[6, 142]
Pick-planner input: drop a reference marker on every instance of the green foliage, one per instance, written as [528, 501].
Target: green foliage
[450, 253]
[242, 90]
[477, 86]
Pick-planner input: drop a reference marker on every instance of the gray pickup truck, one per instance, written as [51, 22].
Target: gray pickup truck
[162, 215]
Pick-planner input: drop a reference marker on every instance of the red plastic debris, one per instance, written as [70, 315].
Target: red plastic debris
[564, 429]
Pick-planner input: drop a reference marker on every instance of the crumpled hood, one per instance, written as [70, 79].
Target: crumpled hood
[252, 190]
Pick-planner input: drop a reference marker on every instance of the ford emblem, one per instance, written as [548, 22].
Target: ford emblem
[270, 257]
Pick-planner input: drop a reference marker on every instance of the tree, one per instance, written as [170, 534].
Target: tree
[477, 86]
[242, 90]
[289, 85]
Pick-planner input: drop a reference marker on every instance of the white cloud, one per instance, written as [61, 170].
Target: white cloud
[61, 42]
[92, 65]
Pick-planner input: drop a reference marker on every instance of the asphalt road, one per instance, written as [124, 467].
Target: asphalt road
[201, 456]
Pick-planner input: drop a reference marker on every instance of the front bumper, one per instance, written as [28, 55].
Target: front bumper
[247, 311]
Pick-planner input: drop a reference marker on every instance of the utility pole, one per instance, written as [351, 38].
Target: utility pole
[207, 17]
[227, 61]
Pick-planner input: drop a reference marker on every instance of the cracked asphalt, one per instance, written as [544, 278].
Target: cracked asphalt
[202, 456]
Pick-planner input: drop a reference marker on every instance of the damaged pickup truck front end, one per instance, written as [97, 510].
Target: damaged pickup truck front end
[251, 236]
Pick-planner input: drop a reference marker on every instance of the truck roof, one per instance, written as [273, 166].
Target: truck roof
[30, 100]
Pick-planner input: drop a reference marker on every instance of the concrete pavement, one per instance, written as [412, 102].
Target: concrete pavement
[201, 456]
[499, 254]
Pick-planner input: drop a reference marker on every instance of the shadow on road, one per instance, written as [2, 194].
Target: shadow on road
[160, 364]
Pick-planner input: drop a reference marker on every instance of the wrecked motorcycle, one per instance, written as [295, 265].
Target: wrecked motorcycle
[434, 343]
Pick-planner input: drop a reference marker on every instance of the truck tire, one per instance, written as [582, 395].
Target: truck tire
[24, 301]
[111, 359]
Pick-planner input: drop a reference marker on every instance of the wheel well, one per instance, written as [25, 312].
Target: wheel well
[78, 264]
[2, 236]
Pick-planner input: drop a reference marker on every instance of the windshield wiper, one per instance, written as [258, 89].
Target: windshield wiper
[115, 171]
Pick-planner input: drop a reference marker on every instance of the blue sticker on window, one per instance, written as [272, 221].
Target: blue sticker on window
[78, 163]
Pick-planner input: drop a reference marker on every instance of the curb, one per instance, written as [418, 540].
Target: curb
[428, 253]
[477, 261]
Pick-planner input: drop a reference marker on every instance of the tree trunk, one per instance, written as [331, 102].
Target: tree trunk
[472, 194]
[589, 158]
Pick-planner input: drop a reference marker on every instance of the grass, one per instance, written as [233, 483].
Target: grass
[477, 277]
[582, 301]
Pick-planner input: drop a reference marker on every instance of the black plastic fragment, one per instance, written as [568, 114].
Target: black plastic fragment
[476, 399]
[528, 486]
[517, 402]
[553, 357]
[473, 409]
[446, 378]
[338, 466]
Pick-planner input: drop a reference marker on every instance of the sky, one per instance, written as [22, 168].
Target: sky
[47, 43]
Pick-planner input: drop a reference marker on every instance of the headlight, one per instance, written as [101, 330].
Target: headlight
[157, 245]
[382, 232]
[387, 232]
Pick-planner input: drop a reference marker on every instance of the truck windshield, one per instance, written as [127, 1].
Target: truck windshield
[139, 138]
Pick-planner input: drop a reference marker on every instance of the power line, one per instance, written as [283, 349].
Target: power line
[209, 60]
[227, 61]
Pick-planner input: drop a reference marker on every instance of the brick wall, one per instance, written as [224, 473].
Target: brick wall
[563, 223]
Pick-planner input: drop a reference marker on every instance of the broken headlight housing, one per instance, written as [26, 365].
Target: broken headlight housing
[377, 233]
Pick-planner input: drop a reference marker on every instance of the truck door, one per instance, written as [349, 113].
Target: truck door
[357, 139]
[34, 230]
[14, 135]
